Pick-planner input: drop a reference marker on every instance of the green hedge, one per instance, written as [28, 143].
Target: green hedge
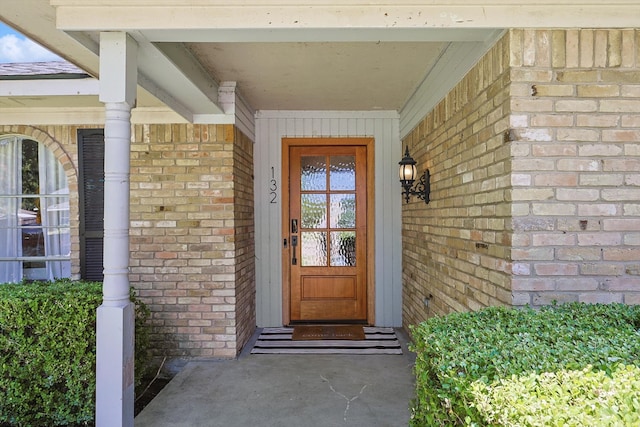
[471, 366]
[47, 352]
[564, 398]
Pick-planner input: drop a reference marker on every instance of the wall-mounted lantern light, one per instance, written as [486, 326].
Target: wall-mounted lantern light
[408, 173]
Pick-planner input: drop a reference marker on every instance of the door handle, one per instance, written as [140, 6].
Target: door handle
[294, 243]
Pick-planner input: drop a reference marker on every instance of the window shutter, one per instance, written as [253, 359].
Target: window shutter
[91, 189]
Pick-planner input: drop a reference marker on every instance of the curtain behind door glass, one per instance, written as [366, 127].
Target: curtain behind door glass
[54, 213]
[10, 185]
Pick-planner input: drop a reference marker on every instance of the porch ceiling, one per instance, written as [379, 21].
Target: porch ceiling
[321, 75]
[286, 54]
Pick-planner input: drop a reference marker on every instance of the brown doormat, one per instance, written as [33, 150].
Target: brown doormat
[327, 332]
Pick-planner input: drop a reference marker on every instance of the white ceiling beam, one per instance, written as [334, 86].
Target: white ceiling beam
[182, 59]
[49, 87]
[127, 15]
[51, 116]
[321, 35]
[90, 115]
[173, 75]
[158, 74]
[151, 86]
[325, 3]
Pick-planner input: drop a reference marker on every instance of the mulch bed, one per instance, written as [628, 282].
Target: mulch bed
[155, 386]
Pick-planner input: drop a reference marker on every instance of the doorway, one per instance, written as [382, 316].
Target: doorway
[328, 230]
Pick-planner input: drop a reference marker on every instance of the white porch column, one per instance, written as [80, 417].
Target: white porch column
[115, 317]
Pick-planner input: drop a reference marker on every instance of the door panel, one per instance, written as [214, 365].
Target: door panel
[322, 287]
[328, 233]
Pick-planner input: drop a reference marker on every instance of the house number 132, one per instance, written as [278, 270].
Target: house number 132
[273, 186]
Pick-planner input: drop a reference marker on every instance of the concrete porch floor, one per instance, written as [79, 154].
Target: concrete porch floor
[287, 390]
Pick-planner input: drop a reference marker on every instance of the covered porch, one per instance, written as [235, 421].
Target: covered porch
[195, 101]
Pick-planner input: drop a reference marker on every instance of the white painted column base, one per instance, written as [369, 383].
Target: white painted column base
[114, 366]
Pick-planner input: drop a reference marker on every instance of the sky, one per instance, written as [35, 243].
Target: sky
[14, 47]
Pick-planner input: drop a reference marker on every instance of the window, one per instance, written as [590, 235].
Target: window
[34, 213]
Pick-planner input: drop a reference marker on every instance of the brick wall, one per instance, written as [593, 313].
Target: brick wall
[457, 248]
[192, 231]
[576, 167]
[191, 236]
[535, 163]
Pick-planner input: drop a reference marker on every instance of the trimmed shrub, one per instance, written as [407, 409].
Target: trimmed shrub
[456, 353]
[47, 352]
[563, 398]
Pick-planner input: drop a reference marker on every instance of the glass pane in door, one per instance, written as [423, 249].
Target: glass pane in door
[343, 211]
[327, 211]
[313, 249]
[313, 210]
[343, 248]
[342, 173]
[313, 173]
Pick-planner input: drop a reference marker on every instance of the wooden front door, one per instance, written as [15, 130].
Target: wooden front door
[326, 232]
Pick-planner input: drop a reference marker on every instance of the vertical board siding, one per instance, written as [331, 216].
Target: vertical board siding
[271, 127]
[245, 117]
